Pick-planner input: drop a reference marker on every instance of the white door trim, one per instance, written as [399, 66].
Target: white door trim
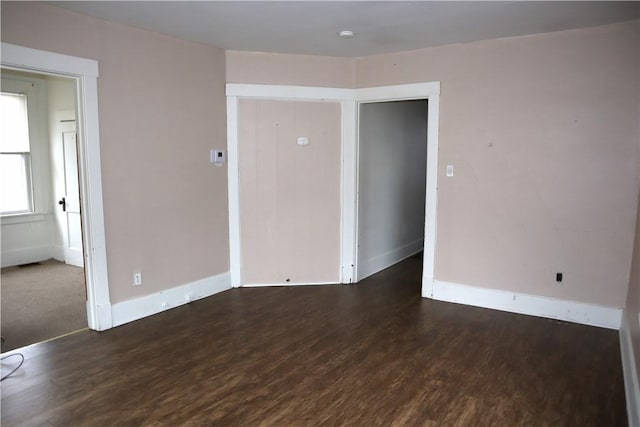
[349, 192]
[234, 93]
[431, 92]
[90, 178]
[290, 93]
[398, 92]
[233, 173]
[349, 99]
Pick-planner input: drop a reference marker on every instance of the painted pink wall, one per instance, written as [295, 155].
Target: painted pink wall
[162, 107]
[543, 133]
[281, 69]
[289, 193]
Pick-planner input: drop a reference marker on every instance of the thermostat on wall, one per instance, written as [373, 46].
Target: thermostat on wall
[303, 140]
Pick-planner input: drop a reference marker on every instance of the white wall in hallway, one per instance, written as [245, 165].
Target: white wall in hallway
[392, 172]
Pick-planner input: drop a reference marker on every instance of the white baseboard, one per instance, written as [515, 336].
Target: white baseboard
[134, 309]
[26, 256]
[73, 257]
[69, 256]
[378, 263]
[57, 253]
[631, 387]
[571, 311]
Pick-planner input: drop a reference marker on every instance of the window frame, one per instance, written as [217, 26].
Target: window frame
[26, 158]
[37, 158]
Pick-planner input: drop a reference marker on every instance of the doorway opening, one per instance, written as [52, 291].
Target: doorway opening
[392, 181]
[42, 278]
[85, 73]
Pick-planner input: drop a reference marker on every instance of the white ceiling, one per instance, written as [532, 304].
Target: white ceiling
[310, 27]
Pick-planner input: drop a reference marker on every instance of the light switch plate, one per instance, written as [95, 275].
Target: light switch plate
[217, 157]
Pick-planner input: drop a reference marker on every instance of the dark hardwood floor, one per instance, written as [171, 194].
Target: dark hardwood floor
[375, 353]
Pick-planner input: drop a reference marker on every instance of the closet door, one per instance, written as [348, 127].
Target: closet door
[289, 160]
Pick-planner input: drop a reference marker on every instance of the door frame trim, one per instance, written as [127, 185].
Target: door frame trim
[349, 99]
[406, 92]
[236, 92]
[85, 72]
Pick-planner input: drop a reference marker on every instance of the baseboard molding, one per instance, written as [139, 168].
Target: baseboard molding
[138, 308]
[378, 263]
[26, 256]
[571, 311]
[57, 253]
[73, 257]
[69, 256]
[630, 374]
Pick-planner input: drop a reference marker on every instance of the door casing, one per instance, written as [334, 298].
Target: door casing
[85, 72]
[72, 230]
[349, 99]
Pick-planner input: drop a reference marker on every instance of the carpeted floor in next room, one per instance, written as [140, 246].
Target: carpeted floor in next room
[41, 301]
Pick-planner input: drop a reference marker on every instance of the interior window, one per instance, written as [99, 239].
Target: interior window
[16, 195]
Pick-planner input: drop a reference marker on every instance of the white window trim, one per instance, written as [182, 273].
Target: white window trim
[33, 90]
[86, 73]
[22, 218]
[27, 158]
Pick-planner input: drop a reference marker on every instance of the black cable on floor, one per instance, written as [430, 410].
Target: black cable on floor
[14, 369]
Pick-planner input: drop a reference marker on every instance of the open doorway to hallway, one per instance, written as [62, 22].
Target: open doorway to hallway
[392, 178]
[42, 279]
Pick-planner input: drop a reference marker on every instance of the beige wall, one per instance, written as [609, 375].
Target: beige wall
[543, 134]
[162, 107]
[542, 131]
[290, 193]
[281, 69]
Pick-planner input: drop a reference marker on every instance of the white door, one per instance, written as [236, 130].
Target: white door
[69, 201]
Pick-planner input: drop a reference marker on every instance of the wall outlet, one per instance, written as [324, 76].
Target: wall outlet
[137, 279]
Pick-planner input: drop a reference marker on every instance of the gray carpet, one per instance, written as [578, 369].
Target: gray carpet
[41, 301]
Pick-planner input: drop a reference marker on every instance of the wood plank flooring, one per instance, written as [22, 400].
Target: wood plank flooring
[370, 354]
